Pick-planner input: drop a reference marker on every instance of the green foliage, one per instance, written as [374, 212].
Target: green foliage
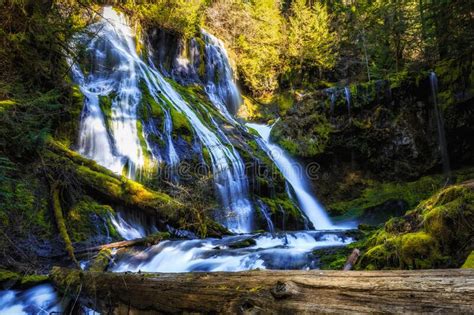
[180, 16]
[310, 40]
[253, 32]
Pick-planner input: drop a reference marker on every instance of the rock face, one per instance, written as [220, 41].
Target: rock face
[380, 133]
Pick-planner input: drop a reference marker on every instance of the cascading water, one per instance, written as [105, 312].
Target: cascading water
[281, 251]
[116, 72]
[295, 178]
[41, 299]
[219, 80]
[115, 143]
[347, 93]
[443, 147]
[266, 214]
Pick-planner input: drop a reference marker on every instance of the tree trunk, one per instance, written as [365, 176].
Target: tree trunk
[276, 292]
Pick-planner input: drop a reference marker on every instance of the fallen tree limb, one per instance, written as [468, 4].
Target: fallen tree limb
[123, 191]
[145, 241]
[283, 292]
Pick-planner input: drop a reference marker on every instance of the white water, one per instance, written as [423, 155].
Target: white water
[295, 176]
[219, 78]
[443, 146]
[114, 44]
[127, 230]
[281, 251]
[347, 92]
[266, 214]
[113, 74]
[39, 300]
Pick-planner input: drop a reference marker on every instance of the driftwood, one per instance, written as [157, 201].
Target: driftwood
[282, 292]
[351, 261]
[145, 241]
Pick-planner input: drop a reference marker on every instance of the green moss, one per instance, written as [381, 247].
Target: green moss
[9, 276]
[101, 261]
[105, 103]
[31, 280]
[58, 214]
[282, 209]
[305, 136]
[149, 107]
[378, 193]
[82, 220]
[243, 243]
[21, 281]
[427, 236]
[469, 263]
[181, 125]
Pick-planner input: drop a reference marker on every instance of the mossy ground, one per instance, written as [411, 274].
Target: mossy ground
[376, 194]
[429, 236]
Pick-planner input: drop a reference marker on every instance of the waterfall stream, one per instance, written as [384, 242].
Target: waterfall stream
[116, 72]
[443, 146]
[121, 82]
[294, 174]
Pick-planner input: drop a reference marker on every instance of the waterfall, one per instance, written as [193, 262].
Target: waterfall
[114, 143]
[347, 93]
[293, 175]
[219, 80]
[443, 147]
[116, 72]
[266, 214]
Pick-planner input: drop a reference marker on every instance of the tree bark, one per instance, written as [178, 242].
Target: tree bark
[276, 292]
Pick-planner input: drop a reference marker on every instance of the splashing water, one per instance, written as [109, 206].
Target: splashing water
[293, 174]
[219, 78]
[117, 70]
[40, 300]
[281, 251]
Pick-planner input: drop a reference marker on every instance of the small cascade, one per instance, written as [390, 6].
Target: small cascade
[347, 93]
[41, 299]
[127, 229]
[293, 174]
[219, 79]
[280, 251]
[443, 146]
[266, 214]
[332, 93]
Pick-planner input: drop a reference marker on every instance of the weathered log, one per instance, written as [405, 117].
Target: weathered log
[145, 241]
[282, 292]
[123, 191]
[351, 261]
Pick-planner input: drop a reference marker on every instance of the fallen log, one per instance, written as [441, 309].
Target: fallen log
[282, 292]
[145, 241]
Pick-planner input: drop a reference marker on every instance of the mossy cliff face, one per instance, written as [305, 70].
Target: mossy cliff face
[436, 234]
[389, 133]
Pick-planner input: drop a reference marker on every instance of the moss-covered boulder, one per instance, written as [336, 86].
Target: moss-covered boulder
[436, 234]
